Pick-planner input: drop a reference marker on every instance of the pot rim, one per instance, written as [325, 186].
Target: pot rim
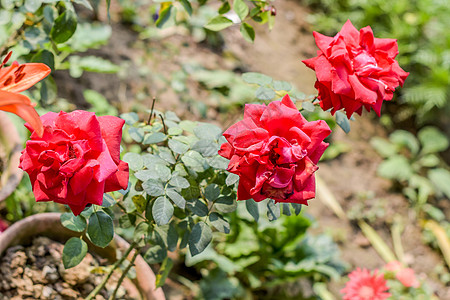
[49, 224]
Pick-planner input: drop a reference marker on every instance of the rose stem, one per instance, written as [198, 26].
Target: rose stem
[124, 273]
[106, 278]
[151, 112]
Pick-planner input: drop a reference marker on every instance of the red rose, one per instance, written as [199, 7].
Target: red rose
[355, 70]
[76, 160]
[274, 150]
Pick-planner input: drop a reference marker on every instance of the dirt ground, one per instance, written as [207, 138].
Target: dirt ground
[36, 272]
[351, 177]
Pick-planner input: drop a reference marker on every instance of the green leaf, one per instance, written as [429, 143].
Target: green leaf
[208, 132]
[164, 16]
[137, 134]
[153, 187]
[179, 181]
[162, 171]
[282, 86]
[286, 210]
[155, 254]
[187, 6]
[342, 121]
[224, 8]
[162, 211]
[256, 78]
[126, 221]
[85, 3]
[194, 160]
[218, 162]
[100, 229]
[192, 192]
[154, 138]
[32, 5]
[144, 175]
[48, 90]
[64, 27]
[219, 222]
[395, 167]
[164, 271]
[178, 147]
[166, 155]
[405, 138]
[429, 160]
[231, 179]
[252, 208]
[432, 140]
[88, 36]
[176, 198]
[130, 118]
[175, 131]
[168, 234]
[241, 9]
[441, 179]
[140, 202]
[247, 32]
[297, 208]
[264, 93]
[90, 64]
[74, 251]
[225, 204]
[218, 23]
[383, 147]
[108, 201]
[273, 210]
[308, 106]
[200, 237]
[206, 147]
[134, 161]
[74, 223]
[212, 192]
[140, 231]
[45, 57]
[198, 208]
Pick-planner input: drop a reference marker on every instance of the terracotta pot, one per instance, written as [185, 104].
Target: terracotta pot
[10, 148]
[49, 225]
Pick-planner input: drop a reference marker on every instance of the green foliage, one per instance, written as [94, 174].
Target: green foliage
[178, 182]
[414, 163]
[259, 257]
[421, 30]
[74, 251]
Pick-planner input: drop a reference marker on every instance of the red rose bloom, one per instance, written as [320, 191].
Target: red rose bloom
[355, 70]
[76, 160]
[365, 286]
[274, 150]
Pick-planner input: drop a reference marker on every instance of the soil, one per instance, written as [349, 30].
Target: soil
[37, 272]
[351, 177]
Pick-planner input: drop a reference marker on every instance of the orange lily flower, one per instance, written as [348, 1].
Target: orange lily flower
[15, 79]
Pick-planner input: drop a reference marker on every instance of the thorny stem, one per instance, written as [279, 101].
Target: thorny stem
[124, 274]
[164, 124]
[124, 209]
[151, 112]
[114, 267]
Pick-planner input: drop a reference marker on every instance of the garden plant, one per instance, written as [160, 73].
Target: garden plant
[219, 209]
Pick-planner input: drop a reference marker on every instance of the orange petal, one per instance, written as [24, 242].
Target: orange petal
[34, 72]
[21, 106]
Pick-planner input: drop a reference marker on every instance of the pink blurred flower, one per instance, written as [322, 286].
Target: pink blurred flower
[365, 286]
[405, 275]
